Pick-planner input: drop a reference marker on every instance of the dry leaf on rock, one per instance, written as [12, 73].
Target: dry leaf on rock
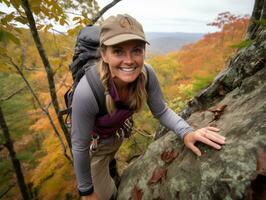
[158, 175]
[217, 111]
[137, 193]
[169, 156]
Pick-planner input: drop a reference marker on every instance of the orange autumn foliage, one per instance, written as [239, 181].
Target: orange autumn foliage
[198, 63]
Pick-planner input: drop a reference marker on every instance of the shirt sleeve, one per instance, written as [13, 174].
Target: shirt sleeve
[84, 109]
[161, 111]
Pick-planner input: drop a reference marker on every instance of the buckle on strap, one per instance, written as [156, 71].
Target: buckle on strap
[94, 142]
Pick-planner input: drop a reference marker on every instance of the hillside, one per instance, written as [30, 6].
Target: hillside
[163, 42]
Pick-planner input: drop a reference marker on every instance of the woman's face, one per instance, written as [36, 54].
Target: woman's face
[125, 60]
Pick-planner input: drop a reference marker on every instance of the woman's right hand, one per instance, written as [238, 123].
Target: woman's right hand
[92, 196]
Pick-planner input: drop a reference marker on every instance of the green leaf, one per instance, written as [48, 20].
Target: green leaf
[35, 3]
[2, 13]
[76, 18]
[22, 20]
[9, 17]
[74, 31]
[16, 3]
[7, 3]
[242, 44]
[6, 36]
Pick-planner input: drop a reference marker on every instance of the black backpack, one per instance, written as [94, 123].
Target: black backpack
[86, 54]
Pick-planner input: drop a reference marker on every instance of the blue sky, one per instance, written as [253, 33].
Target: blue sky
[178, 15]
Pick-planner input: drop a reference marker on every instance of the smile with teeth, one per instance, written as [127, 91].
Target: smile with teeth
[128, 69]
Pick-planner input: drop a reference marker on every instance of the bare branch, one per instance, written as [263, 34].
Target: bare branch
[102, 11]
[13, 94]
[3, 193]
[72, 13]
[60, 32]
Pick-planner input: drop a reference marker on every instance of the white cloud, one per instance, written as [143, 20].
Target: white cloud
[175, 15]
[178, 15]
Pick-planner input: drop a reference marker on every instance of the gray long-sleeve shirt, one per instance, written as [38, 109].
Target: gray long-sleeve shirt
[84, 110]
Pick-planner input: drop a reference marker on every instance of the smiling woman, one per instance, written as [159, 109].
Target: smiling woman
[125, 61]
[128, 83]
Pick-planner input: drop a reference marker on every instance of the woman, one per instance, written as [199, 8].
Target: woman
[127, 84]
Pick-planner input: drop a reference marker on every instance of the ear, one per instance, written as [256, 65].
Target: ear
[104, 56]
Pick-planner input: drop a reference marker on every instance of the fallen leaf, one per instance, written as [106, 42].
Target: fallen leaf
[261, 162]
[219, 108]
[169, 156]
[137, 193]
[217, 111]
[158, 175]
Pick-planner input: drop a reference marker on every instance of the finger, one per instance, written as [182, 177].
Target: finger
[209, 142]
[194, 149]
[218, 135]
[212, 128]
[215, 138]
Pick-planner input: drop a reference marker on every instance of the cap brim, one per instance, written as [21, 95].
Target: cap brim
[122, 38]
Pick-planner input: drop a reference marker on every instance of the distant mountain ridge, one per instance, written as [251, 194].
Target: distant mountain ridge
[165, 42]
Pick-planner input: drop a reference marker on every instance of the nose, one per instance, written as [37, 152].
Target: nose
[128, 60]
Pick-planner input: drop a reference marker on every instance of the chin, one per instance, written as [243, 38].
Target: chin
[129, 79]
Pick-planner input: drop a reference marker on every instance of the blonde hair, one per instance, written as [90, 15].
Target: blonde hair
[136, 90]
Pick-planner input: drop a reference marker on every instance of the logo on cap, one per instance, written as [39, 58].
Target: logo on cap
[126, 22]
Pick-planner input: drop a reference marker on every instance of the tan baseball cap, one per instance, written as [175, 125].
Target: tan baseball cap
[121, 28]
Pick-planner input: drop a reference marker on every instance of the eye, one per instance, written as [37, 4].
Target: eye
[118, 52]
[138, 51]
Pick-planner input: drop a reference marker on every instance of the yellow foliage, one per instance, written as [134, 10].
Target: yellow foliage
[53, 168]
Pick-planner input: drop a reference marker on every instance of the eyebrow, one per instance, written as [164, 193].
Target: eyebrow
[119, 47]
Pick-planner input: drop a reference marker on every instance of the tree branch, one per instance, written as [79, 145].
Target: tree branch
[102, 11]
[13, 94]
[60, 32]
[7, 190]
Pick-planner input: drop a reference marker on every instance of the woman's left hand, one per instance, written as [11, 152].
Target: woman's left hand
[207, 135]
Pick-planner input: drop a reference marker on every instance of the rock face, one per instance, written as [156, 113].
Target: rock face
[236, 103]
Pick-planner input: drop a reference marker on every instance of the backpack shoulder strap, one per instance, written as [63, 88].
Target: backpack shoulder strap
[95, 83]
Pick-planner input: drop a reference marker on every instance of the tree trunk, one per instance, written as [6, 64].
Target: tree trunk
[257, 14]
[47, 66]
[12, 154]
